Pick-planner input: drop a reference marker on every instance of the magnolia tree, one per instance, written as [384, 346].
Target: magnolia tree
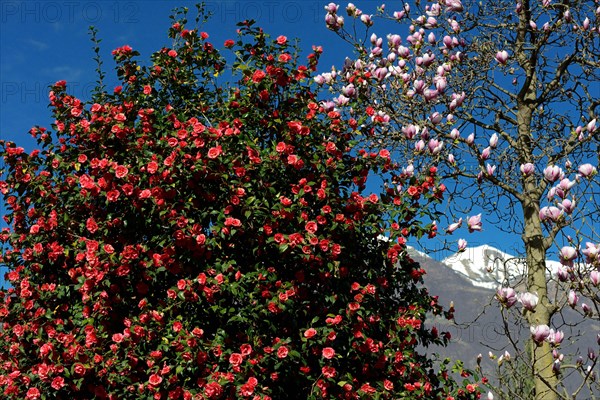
[503, 96]
[186, 237]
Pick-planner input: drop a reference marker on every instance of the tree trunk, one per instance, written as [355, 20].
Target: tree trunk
[545, 379]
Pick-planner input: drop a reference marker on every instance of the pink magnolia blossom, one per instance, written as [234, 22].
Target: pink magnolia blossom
[591, 126]
[539, 333]
[556, 337]
[454, 226]
[553, 173]
[454, 5]
[471, 138]
[566, 184]
[494, 141]
[474, 223]
[455, 134]
[366, 19]
[410, 131]
[567, 254]
[527, 169]
[568, 206]
[490, 169]
[506, 296]
[332, 8]
[435, 146]
[591, 252]
[451, 159]
[529, 300]
[462, 245]
[587, 170]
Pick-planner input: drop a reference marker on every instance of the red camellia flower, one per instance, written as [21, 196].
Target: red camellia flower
[33, 394]
[328, 353]
[311, 227]
[58, 383]
[236, 359]
[281, 40]
[229, 43]
[282, 352]
[121, 171]
[258, 76]
[155, 380]
[152, 167]
[213, 390]
[215, 152]
[91, 225]
[310, 332]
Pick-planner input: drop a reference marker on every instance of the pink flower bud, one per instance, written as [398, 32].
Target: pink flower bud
[572, 299]
[532, 25]
[471, 138]
[494, 141]
[435, 118]
[454, 226]
[591, 126]
[455, 134]
[447, 40]
[502, 57]
[586, 24]
[595, 277]
[462, 245]
[451, 159]
[474, 223]
[485, 154]
[562, 274]
[419, 146]
[490, 169]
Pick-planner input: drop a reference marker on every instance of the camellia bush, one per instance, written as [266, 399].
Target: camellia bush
[185, 236]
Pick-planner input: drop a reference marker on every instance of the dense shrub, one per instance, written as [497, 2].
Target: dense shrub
[180, 237]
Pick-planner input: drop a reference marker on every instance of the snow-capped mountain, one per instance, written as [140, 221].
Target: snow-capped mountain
[488, 267]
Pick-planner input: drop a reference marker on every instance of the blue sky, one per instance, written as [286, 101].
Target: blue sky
[42, 42]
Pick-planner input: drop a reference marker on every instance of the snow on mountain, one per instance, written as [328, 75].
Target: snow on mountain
[488, 267]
